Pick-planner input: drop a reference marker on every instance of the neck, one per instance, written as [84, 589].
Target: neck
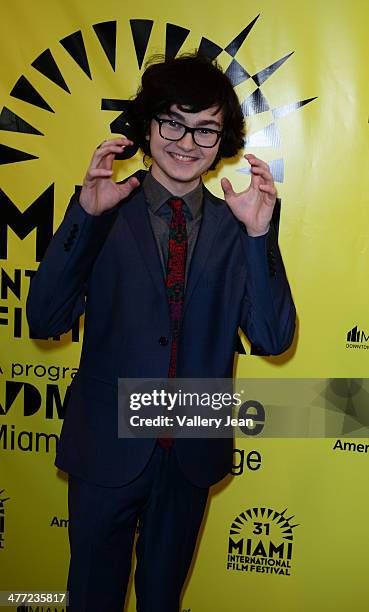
[175, 186]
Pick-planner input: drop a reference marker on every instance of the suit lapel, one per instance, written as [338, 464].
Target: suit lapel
[136, 214]
[213, 212]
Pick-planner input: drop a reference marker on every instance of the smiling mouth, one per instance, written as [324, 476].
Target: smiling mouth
[182, 158]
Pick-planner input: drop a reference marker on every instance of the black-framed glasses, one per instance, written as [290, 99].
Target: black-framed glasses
[171, 129]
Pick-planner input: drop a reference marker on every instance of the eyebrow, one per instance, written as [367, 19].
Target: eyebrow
[206, 122]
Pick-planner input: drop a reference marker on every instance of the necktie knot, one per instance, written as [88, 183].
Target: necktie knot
[176, 204]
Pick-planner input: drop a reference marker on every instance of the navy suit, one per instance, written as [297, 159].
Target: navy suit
[234, 280]
[109, 267]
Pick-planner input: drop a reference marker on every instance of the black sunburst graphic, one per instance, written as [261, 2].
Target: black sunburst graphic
[279, 519]
[141, 29]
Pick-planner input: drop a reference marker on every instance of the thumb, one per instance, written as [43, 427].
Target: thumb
[227, 188]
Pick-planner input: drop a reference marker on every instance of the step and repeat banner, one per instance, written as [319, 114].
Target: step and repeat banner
[288, 530]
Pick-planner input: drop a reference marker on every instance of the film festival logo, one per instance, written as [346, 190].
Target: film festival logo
[261, 541]
[357, 339]
[44, 88]
[2, 519]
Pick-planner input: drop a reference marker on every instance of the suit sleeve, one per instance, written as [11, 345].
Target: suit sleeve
[57, 291]
[268, 312]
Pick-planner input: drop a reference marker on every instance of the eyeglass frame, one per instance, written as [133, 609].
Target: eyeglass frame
[190, 130]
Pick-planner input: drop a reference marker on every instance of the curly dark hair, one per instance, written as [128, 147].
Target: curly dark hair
[193, 83]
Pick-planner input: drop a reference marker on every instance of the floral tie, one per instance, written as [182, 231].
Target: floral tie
[175, 279]
[175, 284]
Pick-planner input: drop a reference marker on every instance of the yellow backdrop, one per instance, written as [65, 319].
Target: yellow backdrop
[295, 508]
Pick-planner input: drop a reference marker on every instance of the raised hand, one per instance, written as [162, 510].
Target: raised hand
[99, 191]
[254, 206]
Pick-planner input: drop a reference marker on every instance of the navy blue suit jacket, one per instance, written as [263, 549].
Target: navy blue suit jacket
[109, 268]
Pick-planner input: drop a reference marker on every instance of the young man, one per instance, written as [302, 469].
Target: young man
[165, 273]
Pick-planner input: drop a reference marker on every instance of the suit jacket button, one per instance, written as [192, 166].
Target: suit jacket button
[163, 340]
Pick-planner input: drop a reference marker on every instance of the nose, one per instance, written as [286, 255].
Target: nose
[187, 143]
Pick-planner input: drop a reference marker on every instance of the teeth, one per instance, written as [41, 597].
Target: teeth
[181, 157]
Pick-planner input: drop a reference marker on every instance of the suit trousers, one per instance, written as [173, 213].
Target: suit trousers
[102, 526]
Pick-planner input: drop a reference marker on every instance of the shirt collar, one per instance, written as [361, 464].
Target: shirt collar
[157, 195]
